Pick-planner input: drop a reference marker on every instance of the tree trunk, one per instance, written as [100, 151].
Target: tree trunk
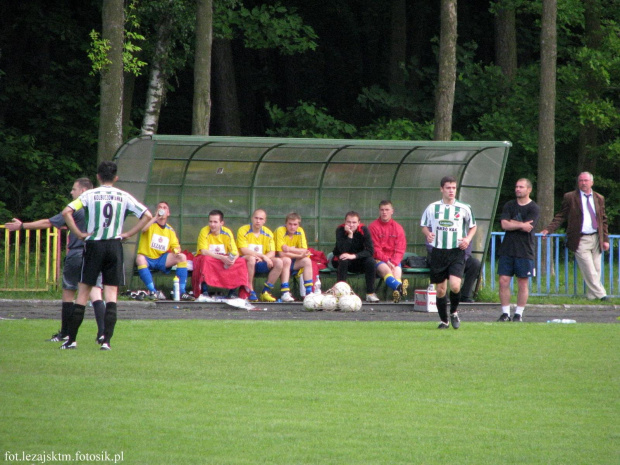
[129, 84]
[111, 99]
[226, 106]
[444, 97]
[588, 133]
[546, 122]
[398, 52]
[156, 92]
[201, 113]
[506, 41]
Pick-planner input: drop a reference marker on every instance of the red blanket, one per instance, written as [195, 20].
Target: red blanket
[211, 271]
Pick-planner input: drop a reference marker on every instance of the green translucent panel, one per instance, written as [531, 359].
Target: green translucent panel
[219, 173]
[288, 153]
[362, 155]
[358, 175]
[291, 175]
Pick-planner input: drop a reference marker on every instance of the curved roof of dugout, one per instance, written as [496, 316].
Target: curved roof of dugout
[321, 179]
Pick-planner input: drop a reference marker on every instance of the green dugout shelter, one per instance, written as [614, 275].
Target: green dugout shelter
[321, 179]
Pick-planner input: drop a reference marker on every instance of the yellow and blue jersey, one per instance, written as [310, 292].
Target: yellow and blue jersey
[297, 240]
[158, 240]
[262, 244]
[222, 243]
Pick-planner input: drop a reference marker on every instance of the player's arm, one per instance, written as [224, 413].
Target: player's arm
[467, 239]
[16, 224]
[514, 225]
[67, 214]
[149, 223]
[430, 237]
[146, 217]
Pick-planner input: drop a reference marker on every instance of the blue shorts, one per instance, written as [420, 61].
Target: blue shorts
[515, 266]
[261, 267]
[379, 262]
[158, 264]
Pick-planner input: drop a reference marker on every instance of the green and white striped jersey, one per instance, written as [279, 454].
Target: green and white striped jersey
[450, 223]
[106, 208]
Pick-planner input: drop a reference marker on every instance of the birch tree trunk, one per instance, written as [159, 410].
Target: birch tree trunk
[546, 122]
[201, 113]
[111, 98]
[156, 92]
[444, 96]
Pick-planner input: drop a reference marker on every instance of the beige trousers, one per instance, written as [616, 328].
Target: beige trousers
[588, 256]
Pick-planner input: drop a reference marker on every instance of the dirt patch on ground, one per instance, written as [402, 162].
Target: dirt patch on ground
[133, 310]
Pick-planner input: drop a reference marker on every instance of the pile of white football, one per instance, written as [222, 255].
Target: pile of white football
[340, 297]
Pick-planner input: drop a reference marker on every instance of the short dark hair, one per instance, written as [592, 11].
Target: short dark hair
[219, 213]
[447, 179]
[164, 202]
[292, 217]
[84, 182]
[385, 202]
[107, 171]
[353, 213]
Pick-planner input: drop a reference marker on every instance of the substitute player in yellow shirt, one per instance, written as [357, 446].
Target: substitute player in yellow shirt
[292, 248]
[159, 250]
[256, 244]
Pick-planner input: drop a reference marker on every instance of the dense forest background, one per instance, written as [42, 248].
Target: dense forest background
[306, 68]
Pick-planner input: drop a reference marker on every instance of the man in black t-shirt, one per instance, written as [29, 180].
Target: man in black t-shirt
[516, 254]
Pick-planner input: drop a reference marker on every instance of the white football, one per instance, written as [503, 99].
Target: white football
[350, 303]
[341, 288]
[313, 302]
[330, 302]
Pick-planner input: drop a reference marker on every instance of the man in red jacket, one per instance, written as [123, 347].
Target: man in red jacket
[390, 244]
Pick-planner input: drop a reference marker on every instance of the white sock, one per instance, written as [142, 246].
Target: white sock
[519, 310]
[506, 309]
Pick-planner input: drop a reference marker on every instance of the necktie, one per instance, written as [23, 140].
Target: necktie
[591, 210]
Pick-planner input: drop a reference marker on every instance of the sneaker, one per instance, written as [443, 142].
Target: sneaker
[105, 346]
[99, 340]
[187, 297]
[58, 337]
[372, 298]
[396, 296]
[66, 345]
[454, 319]
[517, 318]
[504, 317]
[287, 297]
[253, 297]
[443, 325]
[267, 297]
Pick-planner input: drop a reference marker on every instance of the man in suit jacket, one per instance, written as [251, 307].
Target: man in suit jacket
[586, 231]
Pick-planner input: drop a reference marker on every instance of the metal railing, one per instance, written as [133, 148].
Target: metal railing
[32, 263]
[556, 272]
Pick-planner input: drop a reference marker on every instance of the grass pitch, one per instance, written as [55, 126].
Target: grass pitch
[293, 392]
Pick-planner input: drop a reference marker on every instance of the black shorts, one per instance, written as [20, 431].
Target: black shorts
[446, 263]
[72, 270]
[105, 257]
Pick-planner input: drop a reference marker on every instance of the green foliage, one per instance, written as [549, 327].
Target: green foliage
[36, 183]
[307, 120]
[400, 129]
[99, 48]
[265, 27]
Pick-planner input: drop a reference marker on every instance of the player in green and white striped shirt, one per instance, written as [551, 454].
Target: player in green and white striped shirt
[449, 226]
[105, 208]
